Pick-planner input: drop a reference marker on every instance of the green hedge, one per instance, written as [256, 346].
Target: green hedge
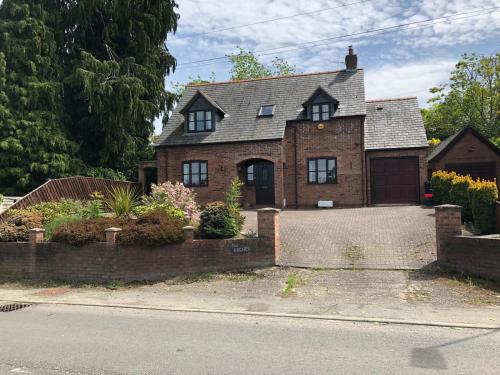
[441, 185]
[217, 221]
[483, 195]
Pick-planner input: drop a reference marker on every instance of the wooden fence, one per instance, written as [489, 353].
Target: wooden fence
[77, 187]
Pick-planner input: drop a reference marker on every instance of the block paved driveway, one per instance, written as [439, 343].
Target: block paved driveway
[401, 237]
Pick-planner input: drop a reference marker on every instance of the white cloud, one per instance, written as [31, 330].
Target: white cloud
[415, 79]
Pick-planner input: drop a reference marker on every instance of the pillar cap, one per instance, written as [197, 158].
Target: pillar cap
[112, 229]
[449, 207]
[268, 209]
[37, 230]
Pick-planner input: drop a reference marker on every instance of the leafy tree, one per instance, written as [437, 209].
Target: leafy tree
[246, 65]
[33, 144]
[472, 98]
[179, 88]
[116, 62]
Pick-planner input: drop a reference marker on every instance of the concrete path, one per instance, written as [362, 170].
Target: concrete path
[401, 237]
[61, 339]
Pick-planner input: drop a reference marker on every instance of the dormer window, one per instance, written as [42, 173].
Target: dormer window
[266, 111]
[321, 112]
[200, 121]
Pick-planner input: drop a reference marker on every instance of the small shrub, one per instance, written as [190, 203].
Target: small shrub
[216, 221]
[233, 197]
[460, 195]
[58, 221]
[142, 210]
[50, 210]
[441, 186]
[17, 225]
[79, 233]
[156, 228]
[122, 201]
[483, 195]
[175, 195]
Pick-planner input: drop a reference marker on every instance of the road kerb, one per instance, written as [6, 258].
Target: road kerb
[341, 318]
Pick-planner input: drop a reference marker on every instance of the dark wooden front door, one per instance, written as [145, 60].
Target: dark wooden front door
[264, 183]
[394, 180]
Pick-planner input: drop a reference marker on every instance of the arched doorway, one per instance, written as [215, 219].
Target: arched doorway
[258, 175]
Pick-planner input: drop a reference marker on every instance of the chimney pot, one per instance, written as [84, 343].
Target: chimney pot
[351, 60]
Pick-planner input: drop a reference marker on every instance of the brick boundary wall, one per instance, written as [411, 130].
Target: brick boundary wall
[108, 261]
[478, 255]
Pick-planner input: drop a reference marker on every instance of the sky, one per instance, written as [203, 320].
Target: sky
[398, 62]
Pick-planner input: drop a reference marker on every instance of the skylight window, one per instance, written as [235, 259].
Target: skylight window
[266, 110]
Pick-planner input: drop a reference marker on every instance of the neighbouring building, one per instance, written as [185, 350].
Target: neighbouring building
[294, 140]
[467, 152]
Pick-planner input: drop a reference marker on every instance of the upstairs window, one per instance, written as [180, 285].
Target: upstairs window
[195, 173]
[200, 121]
[321, 112]
[266, 111]
[322, 171]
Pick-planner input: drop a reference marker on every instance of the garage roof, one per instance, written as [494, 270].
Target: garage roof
[394, 124]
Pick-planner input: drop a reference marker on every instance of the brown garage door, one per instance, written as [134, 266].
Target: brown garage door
[394, 180]
[486, 171]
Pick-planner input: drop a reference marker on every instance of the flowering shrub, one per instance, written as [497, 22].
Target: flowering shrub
[460, 195]
[175, 195]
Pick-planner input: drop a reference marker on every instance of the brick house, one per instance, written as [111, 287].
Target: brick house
[294, 140]
[467, 152]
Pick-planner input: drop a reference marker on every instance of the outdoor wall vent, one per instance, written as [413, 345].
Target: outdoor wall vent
[325, 204]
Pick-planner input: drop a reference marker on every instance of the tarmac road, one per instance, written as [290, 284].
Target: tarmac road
[51, 339]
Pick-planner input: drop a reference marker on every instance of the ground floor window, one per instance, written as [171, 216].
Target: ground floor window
[195, 173]
[322, 171]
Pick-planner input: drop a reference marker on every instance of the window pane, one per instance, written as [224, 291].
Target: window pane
[195, 168]
[191, 116]
[203, 167]
[185, 180]
[312, 165]
[312, 176]
[195, 179]
[266, 110]
[250, 169]
[203, 179]
[321, 177]
[325, 108]
[315, 116]
[315, 108]
[208, 125]
[200, 121]
[331, 164]
[208, 115]
[321, 164]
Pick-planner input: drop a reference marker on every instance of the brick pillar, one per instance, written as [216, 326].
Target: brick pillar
[188, 233]
[111, 235]
[268, 227]
[448, 225]
[497, 216]
[36, 235]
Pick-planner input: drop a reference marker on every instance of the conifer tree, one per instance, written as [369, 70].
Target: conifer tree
[116, 65]
[33, 144]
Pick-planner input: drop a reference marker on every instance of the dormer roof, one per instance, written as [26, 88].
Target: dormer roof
[320, 91]
[195, 97]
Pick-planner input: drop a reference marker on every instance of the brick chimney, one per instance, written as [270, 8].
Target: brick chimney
[351, 60]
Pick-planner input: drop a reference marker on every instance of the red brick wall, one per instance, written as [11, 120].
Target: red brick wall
[223, 162]
[468, 150]
[101, 262]
[340, 138]
[474, 255]
[420, 153]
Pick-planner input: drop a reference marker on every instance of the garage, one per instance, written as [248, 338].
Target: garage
[394, 180]
[485, 171]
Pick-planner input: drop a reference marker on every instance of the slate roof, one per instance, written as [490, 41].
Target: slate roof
[241, 100]
[394, 123]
